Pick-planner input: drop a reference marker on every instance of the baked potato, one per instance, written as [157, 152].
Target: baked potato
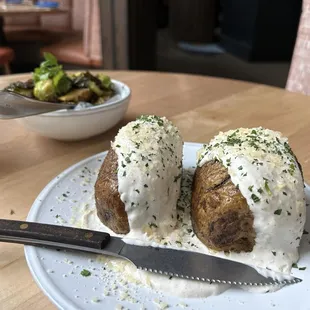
[110, 208]
[220, 215]
[248, 196]
[139, 182]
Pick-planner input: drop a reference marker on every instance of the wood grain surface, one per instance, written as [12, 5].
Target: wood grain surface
[199, 106]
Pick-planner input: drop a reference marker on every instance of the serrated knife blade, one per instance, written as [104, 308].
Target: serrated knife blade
[169, 262]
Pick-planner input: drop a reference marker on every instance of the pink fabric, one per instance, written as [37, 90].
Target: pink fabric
[78, 15]
[299, 75]
[87, 26]
[92, 31]
[95, 52]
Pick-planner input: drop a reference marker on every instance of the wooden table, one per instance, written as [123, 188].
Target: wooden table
[199, 106]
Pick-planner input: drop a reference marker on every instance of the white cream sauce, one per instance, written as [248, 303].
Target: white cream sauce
[282, 229]
[149, 152]
[181, 237]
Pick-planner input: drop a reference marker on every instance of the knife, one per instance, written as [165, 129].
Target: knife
[176, 263]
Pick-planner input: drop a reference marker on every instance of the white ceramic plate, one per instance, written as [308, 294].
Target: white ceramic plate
[58, 272]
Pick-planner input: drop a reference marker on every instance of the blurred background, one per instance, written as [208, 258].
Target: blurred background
[250, 40]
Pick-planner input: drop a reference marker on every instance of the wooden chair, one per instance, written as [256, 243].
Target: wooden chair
[6, 56]
[299, 75]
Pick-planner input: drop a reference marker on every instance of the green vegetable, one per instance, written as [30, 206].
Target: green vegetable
[22, 88]
[45, 91]
[61, 83]
[76, 95]
[51, 83]
[24, 92]
[95, 88]
[105, 80]
[85, 273]
[51, 70]
[48, 68]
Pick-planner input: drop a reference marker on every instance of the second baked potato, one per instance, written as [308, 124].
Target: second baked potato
[221, 217]
[248, 196]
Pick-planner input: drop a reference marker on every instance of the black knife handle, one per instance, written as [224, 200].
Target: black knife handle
[10, 231]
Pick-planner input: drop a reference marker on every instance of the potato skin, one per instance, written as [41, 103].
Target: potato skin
[110, 208]
[220, 215]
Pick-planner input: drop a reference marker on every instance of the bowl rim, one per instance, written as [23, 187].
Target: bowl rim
[90, 110]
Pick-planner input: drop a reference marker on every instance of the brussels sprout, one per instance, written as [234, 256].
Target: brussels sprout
[45, 91]
[62, 83]
[77, 95]
[105, 80]
[95, 89]
[22, 88]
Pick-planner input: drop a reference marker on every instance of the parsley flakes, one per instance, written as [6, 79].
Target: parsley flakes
[85, 273]
[278, 212]
[255, 198]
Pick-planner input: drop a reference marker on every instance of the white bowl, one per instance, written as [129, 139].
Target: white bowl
[72, 125]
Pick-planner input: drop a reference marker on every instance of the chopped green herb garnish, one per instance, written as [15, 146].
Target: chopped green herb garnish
[255, 198]
[274, 253]
[177, 177]
[267, 187]
[250, 188]
[85, 273]
[302, 268]
[260, 190]
[278, 212]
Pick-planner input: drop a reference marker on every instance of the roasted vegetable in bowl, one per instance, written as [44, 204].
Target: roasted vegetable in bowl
[51, 83]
